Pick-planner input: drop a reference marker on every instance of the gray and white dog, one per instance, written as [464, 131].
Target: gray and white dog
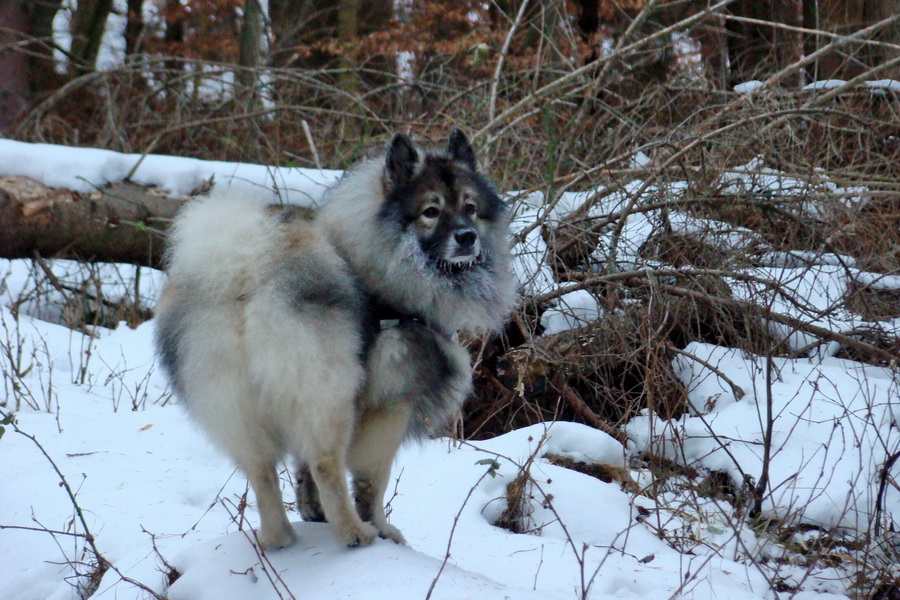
[333, 341]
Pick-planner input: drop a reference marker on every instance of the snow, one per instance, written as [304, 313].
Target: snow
[833, 424]
[154, 492]
[147, 476]
[748, 86]
[878, 281]
[572, 310]
[529, 263]
[880, 85]
[87, 169]
[824, 84]
[640, 160]
[884, 84]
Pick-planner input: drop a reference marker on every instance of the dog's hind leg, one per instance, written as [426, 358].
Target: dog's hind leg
[275, 531]
[375, 443]
[308, 504]
[329, 472]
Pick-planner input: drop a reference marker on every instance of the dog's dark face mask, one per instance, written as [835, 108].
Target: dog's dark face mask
[444, 200]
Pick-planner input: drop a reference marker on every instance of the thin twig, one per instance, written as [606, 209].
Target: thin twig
[495, 80]
[453, 531]
[312, 144]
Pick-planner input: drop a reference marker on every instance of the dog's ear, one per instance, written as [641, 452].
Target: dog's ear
[460, 149]
[402, 159]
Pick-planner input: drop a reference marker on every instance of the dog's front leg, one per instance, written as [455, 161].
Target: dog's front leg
[376, 440]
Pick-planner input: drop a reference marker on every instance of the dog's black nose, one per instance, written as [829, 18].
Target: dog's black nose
[465, 238]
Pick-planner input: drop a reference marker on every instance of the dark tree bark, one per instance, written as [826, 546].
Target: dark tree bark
[755, 51]
[87, 28]
[843, 17]
[295, 23]
[588, 18]
[249, 60]
[302, 32]
[174, 15]
[123, 222]
[810, 20]
[43, 63]
[134, 27]
[714, 50]
[14, 64]
[347, 30]
[874, 11]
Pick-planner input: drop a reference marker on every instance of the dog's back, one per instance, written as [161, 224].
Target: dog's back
[258, 329]
[245, 283]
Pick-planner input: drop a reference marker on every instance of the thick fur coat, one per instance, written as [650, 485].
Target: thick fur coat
[332, 341]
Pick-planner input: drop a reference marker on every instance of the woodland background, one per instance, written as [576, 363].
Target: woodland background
[559, 96]
[604, 73]
[776, 123]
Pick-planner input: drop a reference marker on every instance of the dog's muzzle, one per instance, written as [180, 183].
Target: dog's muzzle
[464, 247]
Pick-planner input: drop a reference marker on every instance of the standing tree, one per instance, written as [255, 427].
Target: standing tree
[87, 28]
[875, 11]
[347, 29]
[756, 50]
[14, 67]
[134, 27]
[43, 64]
[844, 17]
[27, 65]
[250, 48]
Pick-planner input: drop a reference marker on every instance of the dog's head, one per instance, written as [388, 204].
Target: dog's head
[443, 199]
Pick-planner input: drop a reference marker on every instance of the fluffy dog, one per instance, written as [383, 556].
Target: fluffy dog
[333, 341]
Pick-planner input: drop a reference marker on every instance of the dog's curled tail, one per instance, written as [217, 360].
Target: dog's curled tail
[219, 244]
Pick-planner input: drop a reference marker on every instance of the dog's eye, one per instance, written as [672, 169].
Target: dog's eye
[471, 208]
[431, 212]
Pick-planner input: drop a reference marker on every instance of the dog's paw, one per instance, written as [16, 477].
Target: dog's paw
[362, 534]
[389, 532]
[277, 539]
[312, 513]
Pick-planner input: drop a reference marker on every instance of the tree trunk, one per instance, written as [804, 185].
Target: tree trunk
[88, 26]
[124, 222]
[714, 50]
[14, 67]
[811, 40]
[347, 29]
[43, 63]
[843, 17]
[294, 23]
[874, 11]
[588, 19]
[175, 17]
[249, 60]
[755, 51]
[134, 27]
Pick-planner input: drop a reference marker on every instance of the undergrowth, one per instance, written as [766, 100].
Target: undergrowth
[729, 189]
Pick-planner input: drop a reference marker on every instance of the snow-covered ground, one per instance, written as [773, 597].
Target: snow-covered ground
[95, 411]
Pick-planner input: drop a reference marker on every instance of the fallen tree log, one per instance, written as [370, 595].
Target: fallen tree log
[122, 222]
